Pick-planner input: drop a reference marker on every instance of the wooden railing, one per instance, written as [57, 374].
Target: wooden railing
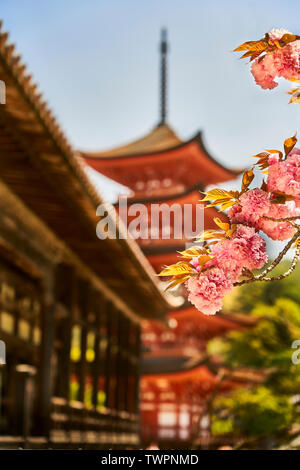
[74, 425]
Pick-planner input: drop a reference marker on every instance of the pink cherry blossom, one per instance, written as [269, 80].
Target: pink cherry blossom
[261, 72]
[283, 62]
[273, 158]
[250, 247]
[255, 205]
[226, 258]
[208, 289]
[284, 177]
[246, 249]
[276, 34]
[279, 230]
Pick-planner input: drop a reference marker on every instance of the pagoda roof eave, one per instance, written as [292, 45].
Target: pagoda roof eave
[156, 368]
[159, 139]
[160, 364]
[104, 156]
[197, 138]
[240, 319]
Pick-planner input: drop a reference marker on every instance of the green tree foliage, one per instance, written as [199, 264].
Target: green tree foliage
[251, 412]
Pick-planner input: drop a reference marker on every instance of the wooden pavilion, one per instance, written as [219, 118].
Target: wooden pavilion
[71, 304]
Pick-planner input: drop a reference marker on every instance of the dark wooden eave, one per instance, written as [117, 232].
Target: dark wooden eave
[39, 165]
[173, 365]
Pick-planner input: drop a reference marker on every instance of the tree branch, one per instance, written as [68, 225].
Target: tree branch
[288, 272]
[262, 276]
[283, 219]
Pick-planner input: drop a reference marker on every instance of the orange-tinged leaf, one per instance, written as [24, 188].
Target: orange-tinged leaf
[193, 252]
[204, 258]
[263, 160]
[252, 46]
[264, 186]
[220, 197]
[223, 225]
[252, 55]
[276, 43]
[226, 205]
[274, 151]
[295, 98]
[281, 198]
[210, 235]
[247, 179]
[230, 232]
[217, 203]
[289, 144]
[234, 194]
[288, 38]
[296, 244]
[215, 194]
[176, 282]
[261, 155]
[245, 46]
[256, 55]
[264, 46]
[213, 204]
[182, 267]
[293, 79]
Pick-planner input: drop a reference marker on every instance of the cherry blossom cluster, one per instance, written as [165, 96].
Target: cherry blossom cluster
[256, 209]
[284, 176]
[236, 248]
[245, 250]
[231, 253]
[283, 62]
[277, 55]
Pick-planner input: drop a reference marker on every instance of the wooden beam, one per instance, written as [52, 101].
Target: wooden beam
[46, 355]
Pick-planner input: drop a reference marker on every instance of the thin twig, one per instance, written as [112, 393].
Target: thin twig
[262, 276]
[283, 219]
[288, 272]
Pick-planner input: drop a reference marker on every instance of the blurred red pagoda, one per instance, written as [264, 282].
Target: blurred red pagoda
[160, 168]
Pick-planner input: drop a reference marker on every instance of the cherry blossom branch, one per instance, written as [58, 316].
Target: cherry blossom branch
[289, 271]
[283, 219]
[262, 276]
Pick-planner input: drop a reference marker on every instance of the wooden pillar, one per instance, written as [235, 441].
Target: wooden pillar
[119, 363]
[126, 362]
[85, 291]
[108, 352]
[82, 364]
[65, 277]
[46, 355]
[138, 366]
[99, 305]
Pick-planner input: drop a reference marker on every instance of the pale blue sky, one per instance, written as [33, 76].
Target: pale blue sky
[97, 64]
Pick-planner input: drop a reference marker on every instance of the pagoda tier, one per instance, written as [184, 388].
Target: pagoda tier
[161, 169]
[172, 404]
[178, 376]
[188, 329]
[175, 404]
[160, 165]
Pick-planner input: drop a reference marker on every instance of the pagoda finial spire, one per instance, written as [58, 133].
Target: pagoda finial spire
[163, 76]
